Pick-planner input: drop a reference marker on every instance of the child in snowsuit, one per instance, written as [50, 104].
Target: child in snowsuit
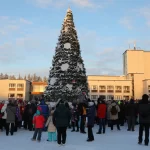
[51, 128]
[38, 123]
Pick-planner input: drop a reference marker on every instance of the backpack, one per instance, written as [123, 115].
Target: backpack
[114, 110]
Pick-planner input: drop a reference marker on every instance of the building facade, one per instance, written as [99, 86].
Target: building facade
[15, 89]
[136, 66]
[38, 88]
[119, 87]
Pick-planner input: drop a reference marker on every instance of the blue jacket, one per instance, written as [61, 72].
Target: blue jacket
[44, 107]
[91, 116]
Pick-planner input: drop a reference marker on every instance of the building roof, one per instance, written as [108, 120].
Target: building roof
[15, 80]
[134, 50]
[39, 83]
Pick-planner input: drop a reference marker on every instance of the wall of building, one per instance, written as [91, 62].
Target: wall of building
[138, 85]
[111, 84]
[147, 65]
[135, 61]
[6, 90]
[146, 87]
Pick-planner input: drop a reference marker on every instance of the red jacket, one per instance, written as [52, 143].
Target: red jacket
[39, 121]
[1, 105]
[101, 111]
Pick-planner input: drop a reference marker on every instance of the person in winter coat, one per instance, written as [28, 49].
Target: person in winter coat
[121, 113]
[75, 118]
[82, 113]
[10, 120]
[4, 117]
[113, 110]
[61, 119]
[101, 114]
[51, 128]
[1, 115]
[44, 107]
[31, 110]
[131, 112]
[38, 123]
[90, 120]
[144, 119]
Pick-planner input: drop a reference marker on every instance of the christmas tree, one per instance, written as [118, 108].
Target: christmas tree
[67, 78]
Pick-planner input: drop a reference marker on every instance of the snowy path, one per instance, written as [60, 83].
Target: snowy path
[112, 140]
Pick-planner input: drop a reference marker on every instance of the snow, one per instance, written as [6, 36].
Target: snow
[67, 45]
[60, 60]
[58, 45]
[80, 66]
[66, 29]
[52, 81]
[64, 67]
[112, 140]
[69, 86]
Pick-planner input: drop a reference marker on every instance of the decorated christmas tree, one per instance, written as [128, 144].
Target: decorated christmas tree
[67, 76]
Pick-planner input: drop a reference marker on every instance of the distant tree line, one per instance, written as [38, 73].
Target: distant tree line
[32, 78]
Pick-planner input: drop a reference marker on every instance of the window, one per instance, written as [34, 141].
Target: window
[118, 89]
[110, 89]
[36, 88]
[102, 96]
[149, 88]
[126, 89]
[12, 85]
[19, 95]
[93, 97]
[118, 97]
[102, 89]
[109, 97]
[126, 97]
[42, 88]
[94, 87]
[11, 95]
[20, 85]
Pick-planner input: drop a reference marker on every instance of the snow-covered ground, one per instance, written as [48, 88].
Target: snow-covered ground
[112, 140]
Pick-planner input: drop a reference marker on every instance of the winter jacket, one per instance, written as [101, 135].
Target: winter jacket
[49, 123]
[61, 116]
[11, 114]
[3, 110]
[131, 110]
[45, 108]
[113, 117]
[18, 115]
[82, 109]
[1, 105]
[75, 115]
[122, 111]
[91, 115]
[38, 121]
[144, 113]
[101, 111]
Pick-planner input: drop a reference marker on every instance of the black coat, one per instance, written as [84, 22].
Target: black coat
[144, 113]
[61, 116]
[131, 110]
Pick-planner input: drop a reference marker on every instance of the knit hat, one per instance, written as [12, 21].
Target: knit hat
[39, 108]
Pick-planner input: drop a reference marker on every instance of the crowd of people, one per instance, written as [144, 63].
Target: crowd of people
[38, 117]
